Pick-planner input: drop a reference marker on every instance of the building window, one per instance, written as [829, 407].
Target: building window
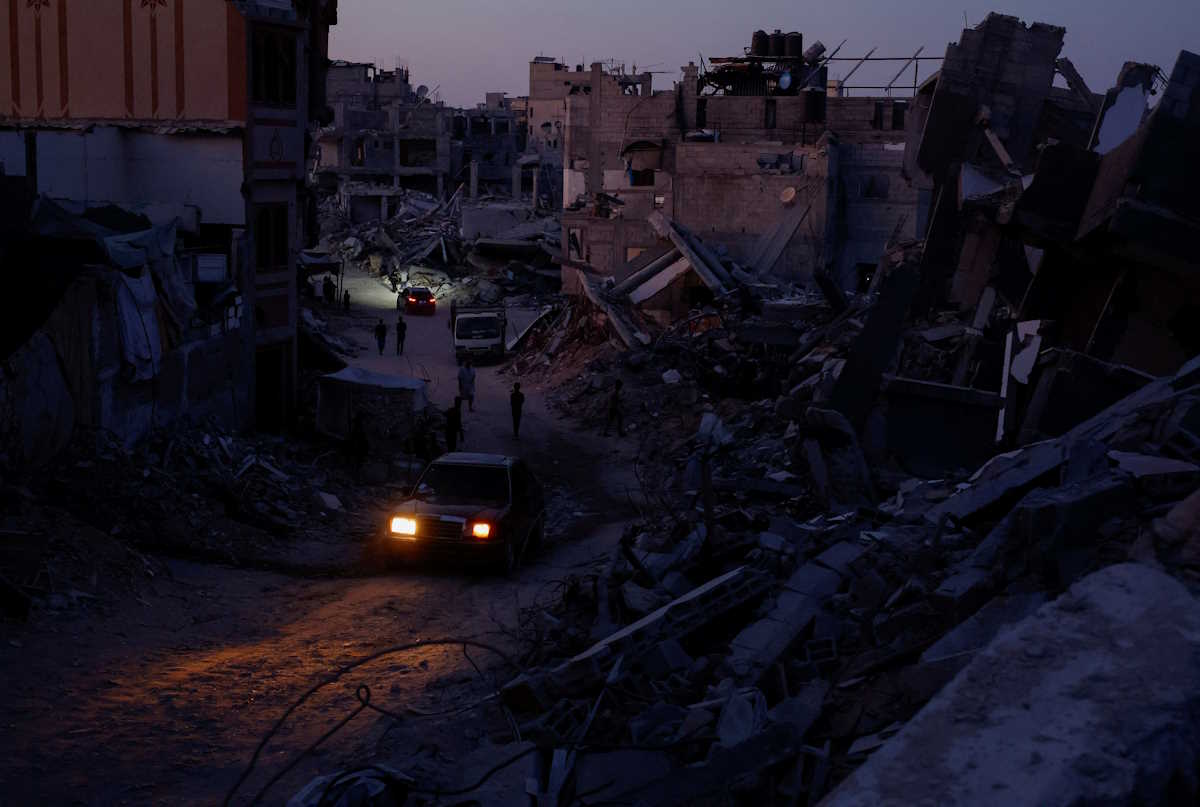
[271, 238]
[358, 156]
[877, 120]
[659, 202]
[875, 187]
[702, 113]
[898, 110]
[273, 67]
[575, 244]
[642, 179]
[770, 116]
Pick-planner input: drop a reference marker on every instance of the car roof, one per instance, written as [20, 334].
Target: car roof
[416, 289]
[472, 458]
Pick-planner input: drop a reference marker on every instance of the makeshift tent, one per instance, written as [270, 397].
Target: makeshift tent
[389, 403]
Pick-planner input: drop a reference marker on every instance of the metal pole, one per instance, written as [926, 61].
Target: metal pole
[854, 69]
[902, 69]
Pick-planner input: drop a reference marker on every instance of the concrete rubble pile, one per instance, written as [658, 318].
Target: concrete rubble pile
[925, 540]
[199, 492]
[473, 254]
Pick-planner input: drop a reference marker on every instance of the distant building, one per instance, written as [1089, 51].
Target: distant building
[550, 84]
[746, 153]
[384, 132]
[199, 115]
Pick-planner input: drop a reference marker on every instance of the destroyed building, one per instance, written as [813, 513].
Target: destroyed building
[752, 156]
[164, 203]
[489, 140]
[385, 135]
[550, 83]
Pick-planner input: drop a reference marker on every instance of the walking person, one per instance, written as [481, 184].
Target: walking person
[453, 314]
[401, 333]
[517, 400]
[346, 300]
[614, 411]
[400, 301]
[466, 383]
[381, 335]
[454, 426]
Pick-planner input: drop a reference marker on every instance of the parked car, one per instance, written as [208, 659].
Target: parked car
[419, 301]
[485, 508]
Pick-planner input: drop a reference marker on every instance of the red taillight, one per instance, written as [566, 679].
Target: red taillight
[412, 299]
[481, 529]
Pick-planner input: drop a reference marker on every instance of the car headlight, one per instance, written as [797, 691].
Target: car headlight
[481, 529]
[402, 525]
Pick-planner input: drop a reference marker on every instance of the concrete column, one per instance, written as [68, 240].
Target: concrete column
[441, 186]
[536, 171]
[474, 179]
[516, 182]
[383, 208]
[395, 159]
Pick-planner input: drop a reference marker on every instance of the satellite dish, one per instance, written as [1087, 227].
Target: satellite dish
[785, 80]
[422, 91]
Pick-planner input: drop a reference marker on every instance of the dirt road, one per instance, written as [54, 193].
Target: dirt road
[163, 699]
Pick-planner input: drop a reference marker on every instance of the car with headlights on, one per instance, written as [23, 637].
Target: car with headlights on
[485, 508]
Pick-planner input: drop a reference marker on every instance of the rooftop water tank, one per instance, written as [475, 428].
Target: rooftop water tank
[778, 45]
[759, 44]
[794, 45]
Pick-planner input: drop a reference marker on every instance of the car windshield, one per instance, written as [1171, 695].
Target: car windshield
[464, 484]
[477, 328]
[420, 294]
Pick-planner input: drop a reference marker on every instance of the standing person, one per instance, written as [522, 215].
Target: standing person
[400, 301]
[401, 333]
[381, 335]
[453, 314]
[466, 383]
[517, 400]
[328, 290]
[454, 426]
[346, 300]
[614, 411]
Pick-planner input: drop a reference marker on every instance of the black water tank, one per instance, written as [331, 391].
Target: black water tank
[759, 44]
[794, 45]
[778, 45]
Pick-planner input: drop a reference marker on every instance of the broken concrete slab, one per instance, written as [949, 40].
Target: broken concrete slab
[814, 581]
[741, 717]
[328, 502]
[1058, 710]
[841, 556]
[538, 689]
[803, 709]
[978, 630]
[1002, 477]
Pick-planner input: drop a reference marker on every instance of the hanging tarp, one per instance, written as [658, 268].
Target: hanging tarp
[141, 342]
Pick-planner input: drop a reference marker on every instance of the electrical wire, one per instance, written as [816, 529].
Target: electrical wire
[333, 678]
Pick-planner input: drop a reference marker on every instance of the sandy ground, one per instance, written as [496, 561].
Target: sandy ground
[163, 699]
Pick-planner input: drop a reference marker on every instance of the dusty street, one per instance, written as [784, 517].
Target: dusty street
[163, 698]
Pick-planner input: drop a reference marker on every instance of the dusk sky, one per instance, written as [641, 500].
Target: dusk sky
[469, 47]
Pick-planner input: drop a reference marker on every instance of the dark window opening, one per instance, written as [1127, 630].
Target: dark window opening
[359, 155]
[898, 110]
[770, 121]
[271, 238]
[575, 244]
[480, 126]
[865, 273]
[642, 179]
[814, 106]
[877, 120]
[501, 127]
[875, 187]
[702, 113]
[273, 68]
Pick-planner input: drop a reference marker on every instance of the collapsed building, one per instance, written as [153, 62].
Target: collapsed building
[753, 156]
[385, 135]
[154, 213]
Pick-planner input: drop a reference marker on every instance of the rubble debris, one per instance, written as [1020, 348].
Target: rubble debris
[1031, 717]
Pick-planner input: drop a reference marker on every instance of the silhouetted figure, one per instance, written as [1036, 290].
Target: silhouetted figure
[381, 336]
[454, 426]
[346, 300]
[400, 301]
[401, 333]
[453, 314]
[517, 401]
[328, 290]
[614, 411]
[466, 383]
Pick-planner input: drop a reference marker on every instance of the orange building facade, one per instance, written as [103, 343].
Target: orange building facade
[205, 103]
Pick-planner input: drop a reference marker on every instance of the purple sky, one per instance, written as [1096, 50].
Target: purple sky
[469, 47]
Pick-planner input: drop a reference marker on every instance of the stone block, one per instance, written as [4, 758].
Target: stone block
[815, 581]
[1094, 699]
